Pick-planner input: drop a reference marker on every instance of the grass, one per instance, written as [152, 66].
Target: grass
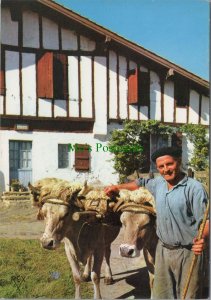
[28, 271]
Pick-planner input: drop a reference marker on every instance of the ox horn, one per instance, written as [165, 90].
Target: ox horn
[33, 189]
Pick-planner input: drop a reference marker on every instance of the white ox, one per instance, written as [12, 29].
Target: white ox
[138, 220]
[83, 233]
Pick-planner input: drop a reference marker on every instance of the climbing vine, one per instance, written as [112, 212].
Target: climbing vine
[198, 135]
[129, 143]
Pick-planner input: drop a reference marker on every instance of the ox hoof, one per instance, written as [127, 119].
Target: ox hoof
[108, 281]
[86, 278]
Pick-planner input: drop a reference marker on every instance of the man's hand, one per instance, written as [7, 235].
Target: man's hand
[110, 190]
[198, 246]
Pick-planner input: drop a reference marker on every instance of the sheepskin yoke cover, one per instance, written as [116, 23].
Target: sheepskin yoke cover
[53, 188]
[137, 201]
[98, 201]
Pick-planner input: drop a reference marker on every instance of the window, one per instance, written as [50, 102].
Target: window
[144, 88]
[181, 92]
[20, 161]
[177, 140]
[63, 156]
[138, 87]
[82, 157]
[52, 76]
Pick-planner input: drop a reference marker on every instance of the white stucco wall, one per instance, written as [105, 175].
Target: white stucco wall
[9, 28]
[168, 101]
[60, 108]
[45, 107]
[181, 115]
[86, 86]
[100, 95]
[31, 29]
[73, 84]
[194, 107]
[205, 110]
[112, 85]
[69, 39]
[143, 114]
[123, 87]
[155, 97]
[1, 104]
[187, 152]
[12, 83]
[86, 44]
[29, 84]
[50, 34]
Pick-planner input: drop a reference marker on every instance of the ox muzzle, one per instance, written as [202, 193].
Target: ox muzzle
[130, 251]
[49, 243]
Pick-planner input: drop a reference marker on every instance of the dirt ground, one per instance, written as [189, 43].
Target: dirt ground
[130, 275]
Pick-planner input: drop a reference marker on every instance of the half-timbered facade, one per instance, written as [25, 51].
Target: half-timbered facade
[67, 82]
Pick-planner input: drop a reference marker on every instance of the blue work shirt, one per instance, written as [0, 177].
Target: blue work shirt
[180, 210]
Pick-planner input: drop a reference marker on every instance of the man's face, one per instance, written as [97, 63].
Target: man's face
[168, 167]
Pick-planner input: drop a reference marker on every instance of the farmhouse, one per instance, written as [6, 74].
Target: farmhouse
[67, 82]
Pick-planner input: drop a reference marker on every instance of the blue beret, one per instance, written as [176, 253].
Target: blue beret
[172, 151]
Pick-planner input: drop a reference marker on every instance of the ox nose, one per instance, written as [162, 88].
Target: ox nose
[48, 244]
[128, 251]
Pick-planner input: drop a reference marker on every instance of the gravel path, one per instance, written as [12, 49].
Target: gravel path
[130, 275]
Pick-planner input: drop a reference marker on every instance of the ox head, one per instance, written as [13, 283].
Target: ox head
[137, 228]
[57, 217]
[55, 213]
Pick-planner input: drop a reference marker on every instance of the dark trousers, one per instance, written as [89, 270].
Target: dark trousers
[171, 271]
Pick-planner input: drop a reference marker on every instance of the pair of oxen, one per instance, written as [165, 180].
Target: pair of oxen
[88, 221]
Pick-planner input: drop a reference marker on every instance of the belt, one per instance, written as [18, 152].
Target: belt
[171, 247]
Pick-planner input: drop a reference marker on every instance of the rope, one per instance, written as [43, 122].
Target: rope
[195, 257]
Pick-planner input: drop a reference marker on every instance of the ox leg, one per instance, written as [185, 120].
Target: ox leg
[149, 259]
[108, 274]
[95, 274]
[87, 270]
[75, 269]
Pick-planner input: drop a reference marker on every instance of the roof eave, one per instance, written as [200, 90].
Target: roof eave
[136, 48]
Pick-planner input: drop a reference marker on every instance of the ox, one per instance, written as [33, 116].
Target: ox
[83, 232]
[139, 230]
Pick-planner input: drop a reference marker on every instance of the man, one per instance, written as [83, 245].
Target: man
[180, 205]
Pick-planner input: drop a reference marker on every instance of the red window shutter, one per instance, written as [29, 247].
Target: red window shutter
[2, 82]
[2, 77]
[45, 76]
[82, 157]
[60, 76]
[144, 90]
[133, 86]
